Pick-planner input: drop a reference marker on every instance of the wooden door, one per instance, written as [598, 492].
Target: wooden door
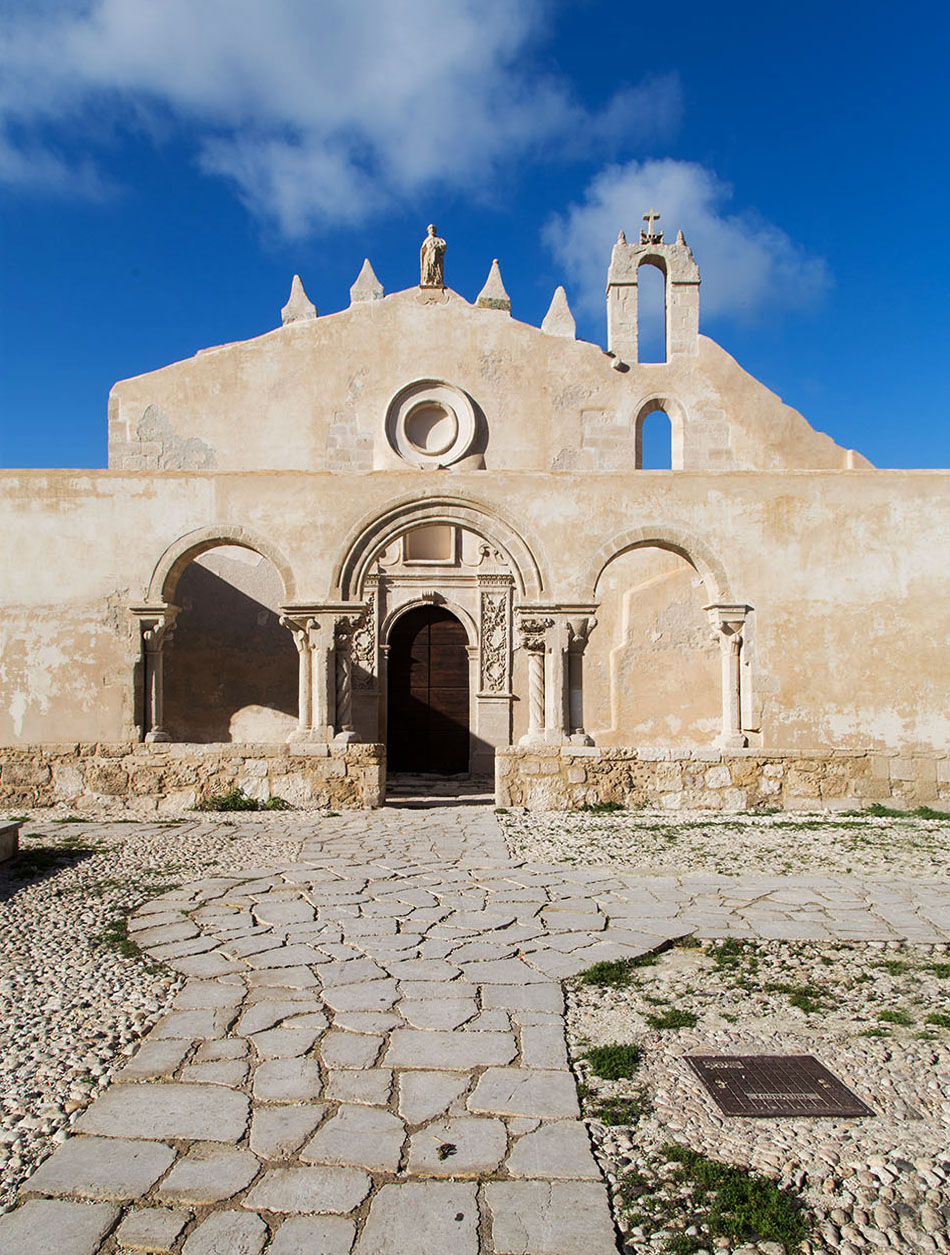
[428, 693]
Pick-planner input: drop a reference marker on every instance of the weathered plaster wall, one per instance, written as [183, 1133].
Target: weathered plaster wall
[845, 571]
[568, 777]
[313, 395]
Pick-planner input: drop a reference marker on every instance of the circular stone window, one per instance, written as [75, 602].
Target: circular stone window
[431, 424]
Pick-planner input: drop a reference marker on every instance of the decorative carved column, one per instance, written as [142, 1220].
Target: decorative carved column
[533, 641]
[728, 622]
[303, 631]
[494, 635]
[157, 625]
[343, 634]
[578, 631]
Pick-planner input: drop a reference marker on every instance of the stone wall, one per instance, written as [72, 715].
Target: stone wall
[563, 778]
[171, 778]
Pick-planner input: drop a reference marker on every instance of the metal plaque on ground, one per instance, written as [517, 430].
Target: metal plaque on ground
[775, 1085]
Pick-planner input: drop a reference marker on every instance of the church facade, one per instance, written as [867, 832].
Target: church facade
[416, 535]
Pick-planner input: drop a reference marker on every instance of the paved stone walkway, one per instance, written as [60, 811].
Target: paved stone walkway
[369, 1054]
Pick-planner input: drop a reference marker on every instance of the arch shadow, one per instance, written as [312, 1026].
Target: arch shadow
[171, 564]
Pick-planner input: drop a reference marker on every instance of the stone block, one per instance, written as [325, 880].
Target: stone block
[550, 1218]
[53, 1227]
[903, 769]
[102, 1168]
[151, 1229]
[227, 1233]
[192, 1112]
[718, 777]
[323, 1189]
[9, 841]
[423, 1216]
[209, 1174]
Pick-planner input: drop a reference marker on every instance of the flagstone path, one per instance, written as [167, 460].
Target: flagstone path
[369, 1053]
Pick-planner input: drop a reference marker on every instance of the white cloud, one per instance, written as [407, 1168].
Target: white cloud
[316, 111]
[747, 264]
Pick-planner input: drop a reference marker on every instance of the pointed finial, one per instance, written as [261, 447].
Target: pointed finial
[559, 321]
[299, 307]
[367, 287]
[621, 236]
[680, 237]
[493, 294]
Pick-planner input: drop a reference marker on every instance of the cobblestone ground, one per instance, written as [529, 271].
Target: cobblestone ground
[367, 1050]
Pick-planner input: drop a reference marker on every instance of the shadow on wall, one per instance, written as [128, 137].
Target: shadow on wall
[230, 668]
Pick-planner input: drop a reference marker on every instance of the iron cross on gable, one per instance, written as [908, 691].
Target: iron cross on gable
[650, 235]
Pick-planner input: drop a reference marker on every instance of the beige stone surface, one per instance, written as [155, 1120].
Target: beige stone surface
[228, 588]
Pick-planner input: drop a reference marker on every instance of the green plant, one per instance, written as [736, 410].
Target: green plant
[237, 800]
[600, 808]
[895, 967]
[928, 812]
[739, 1204]
[615, 973]
[673, 1018]
[687, 942]
[71, 819]
[895, 1017]
[615, 1062]
[806, 998]
[730, 953]
[619, 1111]
[940, 970]
[115, 936]
[501, 810]
[940, 1018]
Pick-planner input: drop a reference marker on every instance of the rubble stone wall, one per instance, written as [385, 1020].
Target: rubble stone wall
[170, 778]
[566, 777]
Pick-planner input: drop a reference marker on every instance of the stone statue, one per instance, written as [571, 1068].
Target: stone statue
[431, 260]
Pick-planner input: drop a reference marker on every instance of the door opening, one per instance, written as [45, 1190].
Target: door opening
[428, 720]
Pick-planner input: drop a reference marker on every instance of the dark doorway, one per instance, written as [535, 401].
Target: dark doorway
[428, 694]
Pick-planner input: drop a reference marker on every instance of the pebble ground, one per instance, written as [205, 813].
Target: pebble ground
[392, 981]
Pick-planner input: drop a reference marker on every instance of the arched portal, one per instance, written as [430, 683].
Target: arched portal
[428, 701]
[230, 668]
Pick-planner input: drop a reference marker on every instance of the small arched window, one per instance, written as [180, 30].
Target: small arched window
[651, 313]
[655, 441]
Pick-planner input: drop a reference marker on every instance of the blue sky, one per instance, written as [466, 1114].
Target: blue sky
[167, 165]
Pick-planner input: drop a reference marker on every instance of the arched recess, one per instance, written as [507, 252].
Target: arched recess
[176, 557]
[677, 540]
[371, 537]
[675, 413]
[652, 669]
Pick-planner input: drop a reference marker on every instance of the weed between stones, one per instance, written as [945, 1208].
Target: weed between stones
[695, 1200]
[237, 800]
[614, 1062]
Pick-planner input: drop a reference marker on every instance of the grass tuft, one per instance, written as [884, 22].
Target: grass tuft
[616, 1062]
[616, 973]
[903, 1018]
[600, 808]
[939, 1018]
[673, 1018]
[237, 800]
